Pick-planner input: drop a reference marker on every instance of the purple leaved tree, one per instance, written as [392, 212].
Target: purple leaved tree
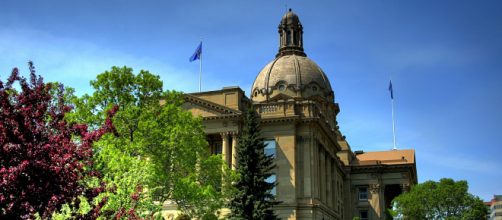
[43, 159]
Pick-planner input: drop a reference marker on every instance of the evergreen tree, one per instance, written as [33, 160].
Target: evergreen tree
[253, 198]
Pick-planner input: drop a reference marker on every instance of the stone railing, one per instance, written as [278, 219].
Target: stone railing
[278, 109]
[264, 109]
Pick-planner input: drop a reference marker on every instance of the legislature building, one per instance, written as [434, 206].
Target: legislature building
[318, 175]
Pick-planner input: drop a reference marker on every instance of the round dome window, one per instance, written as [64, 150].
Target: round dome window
[282, 87]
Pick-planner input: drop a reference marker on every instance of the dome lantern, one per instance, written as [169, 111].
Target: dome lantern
[290, 35]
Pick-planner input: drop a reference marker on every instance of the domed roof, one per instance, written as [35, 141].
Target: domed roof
[292, 76]
[290, 18]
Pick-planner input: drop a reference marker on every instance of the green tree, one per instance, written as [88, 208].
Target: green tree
[253, 198]
[159, 144]
[202, 194]
[446, 199]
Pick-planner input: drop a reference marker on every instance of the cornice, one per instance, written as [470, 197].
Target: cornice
[269, 120]
[380, 167]
[211, 105]
[222, 117]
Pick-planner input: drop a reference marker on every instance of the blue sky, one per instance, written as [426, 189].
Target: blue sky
[444, 57]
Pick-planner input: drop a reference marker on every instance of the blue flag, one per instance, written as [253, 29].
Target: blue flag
[391, 91]
[198, 52]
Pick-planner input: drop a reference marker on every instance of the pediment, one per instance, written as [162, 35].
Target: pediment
[207, 109]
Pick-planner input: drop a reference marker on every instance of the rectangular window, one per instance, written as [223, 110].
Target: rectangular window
[363, 214]
[270, 150]
[217, 149]
[363, 193]
[272, 179]
[270, 147]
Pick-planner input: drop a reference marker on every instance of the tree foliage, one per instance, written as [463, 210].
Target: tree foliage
[158, 147]
[253, 198]
[200, 195]
[446, 199]
[44, 161]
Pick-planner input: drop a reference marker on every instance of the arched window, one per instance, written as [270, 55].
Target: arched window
[288, 38]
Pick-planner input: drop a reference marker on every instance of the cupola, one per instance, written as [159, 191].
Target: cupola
[291, 75]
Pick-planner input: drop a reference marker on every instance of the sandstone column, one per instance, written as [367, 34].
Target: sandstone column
[225, 148]
[234, 150]
[375, 198]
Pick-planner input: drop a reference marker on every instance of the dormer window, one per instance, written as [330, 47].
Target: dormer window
[314, 88]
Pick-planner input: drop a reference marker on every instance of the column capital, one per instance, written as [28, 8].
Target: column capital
[405, 187]
[234, 133]
[374, 188]
[224, 134]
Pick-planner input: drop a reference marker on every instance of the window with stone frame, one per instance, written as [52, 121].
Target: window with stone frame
[363, 193]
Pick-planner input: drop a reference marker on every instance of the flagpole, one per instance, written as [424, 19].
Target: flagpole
[200, 71]
[393, 125]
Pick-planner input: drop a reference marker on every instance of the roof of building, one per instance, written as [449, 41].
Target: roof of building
[224, 89]
[294, 71]
[290, 18]
[497, 198]
[391, 157]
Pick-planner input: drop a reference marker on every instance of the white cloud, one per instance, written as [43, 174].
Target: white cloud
[460, 162]
[75, 62]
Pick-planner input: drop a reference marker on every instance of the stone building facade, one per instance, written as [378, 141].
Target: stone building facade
[495, 208]
[318, 175]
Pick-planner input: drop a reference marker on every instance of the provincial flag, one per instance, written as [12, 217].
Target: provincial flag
[390, 90]
[198, 52]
